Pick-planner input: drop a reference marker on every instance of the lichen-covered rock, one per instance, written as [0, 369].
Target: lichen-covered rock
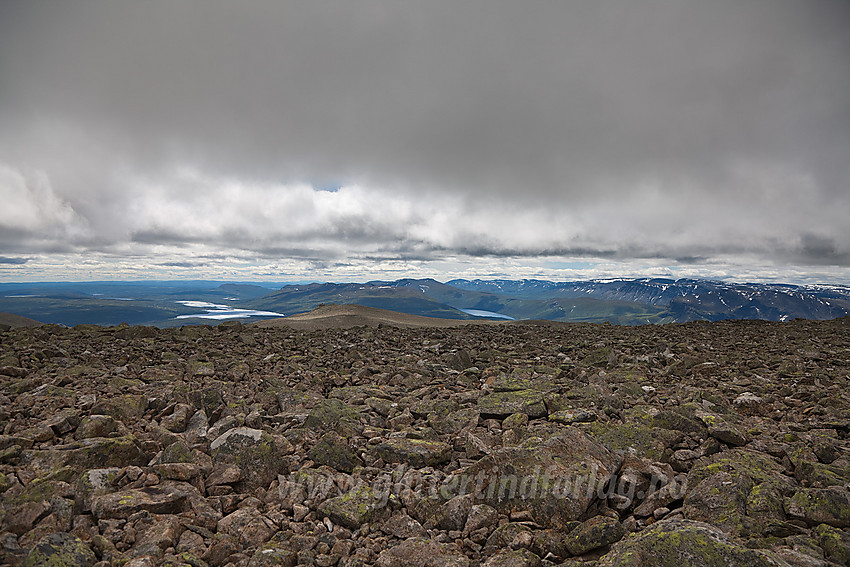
[810, 472]
[99, 426]
[821, 506]
[60, 550]
[676, 421]
[570, 416]
[481, 516]
[334, 414]
[159, 499]
[504, 535]
[155, 534]
[635, 436]
[122, 408]
[423, 408]
[357, 506]
[177, 421]
[92, 483]
[682, 543]
[259, 455]
[834, 542]
[453, 423]
[248, 526]
[415, 452]
[335, 451]
[513, 558]
[721, 500]
[97, 453]
[25, 506]
[452, 515]
[555, 481]
[596, 532]
[403, 526]
[273, 555]
[178, 452]
[421, 552]
[500, 405]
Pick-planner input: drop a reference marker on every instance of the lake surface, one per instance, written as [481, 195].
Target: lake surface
[483, 313]
[221, 312]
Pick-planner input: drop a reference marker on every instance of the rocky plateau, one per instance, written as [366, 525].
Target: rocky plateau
[499, 445]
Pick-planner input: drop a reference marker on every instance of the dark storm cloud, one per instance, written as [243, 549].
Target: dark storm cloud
[14, 261]
[612, 129]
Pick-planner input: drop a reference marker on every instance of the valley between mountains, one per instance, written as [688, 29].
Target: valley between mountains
[372, 441]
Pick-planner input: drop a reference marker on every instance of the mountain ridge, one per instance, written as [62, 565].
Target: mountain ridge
[617, 301]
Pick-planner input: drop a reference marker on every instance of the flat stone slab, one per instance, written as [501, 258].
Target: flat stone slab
[500, 405]
[415, 452]
[154, 499]
[421, 552]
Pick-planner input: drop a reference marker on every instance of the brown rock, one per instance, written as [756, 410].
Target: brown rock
[248, 526]
[160, 499]
[421, 552]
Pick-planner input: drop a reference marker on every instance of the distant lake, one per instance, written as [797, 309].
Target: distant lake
[220, 312]
[483, 313]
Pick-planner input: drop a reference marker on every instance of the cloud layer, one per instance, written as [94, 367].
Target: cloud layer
[366, 138]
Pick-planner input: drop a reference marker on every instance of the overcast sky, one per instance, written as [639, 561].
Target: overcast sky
[354, 140]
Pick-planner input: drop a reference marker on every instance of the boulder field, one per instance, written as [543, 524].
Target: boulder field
[516, 445]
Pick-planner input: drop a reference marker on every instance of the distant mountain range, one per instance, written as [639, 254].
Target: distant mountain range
[688, 299]
[625, 302]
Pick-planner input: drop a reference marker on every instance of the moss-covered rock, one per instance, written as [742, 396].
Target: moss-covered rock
[60, 550]
[682, 543]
